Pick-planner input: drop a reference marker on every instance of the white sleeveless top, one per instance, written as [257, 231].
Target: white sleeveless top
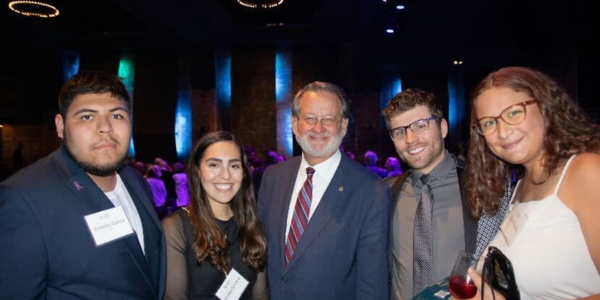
[549, 255]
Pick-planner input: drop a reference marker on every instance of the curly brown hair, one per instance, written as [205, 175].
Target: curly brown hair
[568, 131]
[409, 99]
[210, 243]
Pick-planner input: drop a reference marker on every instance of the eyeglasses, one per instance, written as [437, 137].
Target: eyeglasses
[417, 127]
[511, 115]
[326, 121]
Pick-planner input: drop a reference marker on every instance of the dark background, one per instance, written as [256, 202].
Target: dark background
[341, 41]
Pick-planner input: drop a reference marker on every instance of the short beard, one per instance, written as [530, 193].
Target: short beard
[333, 145]
[96, 170]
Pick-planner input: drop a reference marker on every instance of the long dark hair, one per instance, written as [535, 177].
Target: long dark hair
[210, 243]
[568, 131]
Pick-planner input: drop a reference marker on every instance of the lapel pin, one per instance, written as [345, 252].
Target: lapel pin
[78, 186]
[341, 188]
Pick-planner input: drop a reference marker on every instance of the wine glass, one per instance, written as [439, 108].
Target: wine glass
[460, 284]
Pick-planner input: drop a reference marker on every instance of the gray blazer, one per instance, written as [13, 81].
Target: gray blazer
[478, 233]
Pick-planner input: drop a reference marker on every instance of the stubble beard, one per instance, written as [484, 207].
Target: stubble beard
[102, 170]
[425, 160]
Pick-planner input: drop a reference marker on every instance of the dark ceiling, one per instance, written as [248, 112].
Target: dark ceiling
[453, 27]
[429, 34]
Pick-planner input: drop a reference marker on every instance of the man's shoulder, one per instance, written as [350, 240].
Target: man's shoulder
[357, 171]
[127, 171]
[290, 165]
[36, 184]
[131, 175]
[35, 175]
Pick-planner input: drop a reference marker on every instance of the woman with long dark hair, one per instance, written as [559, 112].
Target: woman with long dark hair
[522, 118]
[218, 231]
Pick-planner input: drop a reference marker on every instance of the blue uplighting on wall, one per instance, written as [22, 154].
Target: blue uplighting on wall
[283, 98]
[70, 66]
[223, 84]
[452, 102]
[127, 75]
[391, 84]
[396, 85]
[183, 125]
[457, 107]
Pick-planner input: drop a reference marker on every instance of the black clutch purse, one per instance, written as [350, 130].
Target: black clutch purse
[498, 272]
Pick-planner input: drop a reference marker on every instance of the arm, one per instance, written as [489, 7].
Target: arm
[23, 254]
[177, 280]
[580, 193]
[260, 290]
[372, 251]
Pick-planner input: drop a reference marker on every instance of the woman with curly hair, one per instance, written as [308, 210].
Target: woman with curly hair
[522, 118]
[218, 231]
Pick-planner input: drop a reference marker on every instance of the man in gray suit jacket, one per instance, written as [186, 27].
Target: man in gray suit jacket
[430, 221]
[326, 216]
[76, 225]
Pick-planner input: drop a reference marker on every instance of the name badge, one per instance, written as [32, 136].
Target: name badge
[233, 286]
[514, 224]
[108, 225]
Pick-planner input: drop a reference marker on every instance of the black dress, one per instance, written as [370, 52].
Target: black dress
[188, 280]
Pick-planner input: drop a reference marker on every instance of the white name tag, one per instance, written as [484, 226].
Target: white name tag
[514, 224]
[233, 286]
[108, 225]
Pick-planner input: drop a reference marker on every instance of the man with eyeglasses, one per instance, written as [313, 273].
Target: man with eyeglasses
[325, 215]
[430, 222]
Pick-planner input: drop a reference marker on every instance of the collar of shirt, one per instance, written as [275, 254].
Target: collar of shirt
[324, 170]
[440, 173]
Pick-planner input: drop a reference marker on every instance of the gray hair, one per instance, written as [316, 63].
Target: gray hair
[318, 86]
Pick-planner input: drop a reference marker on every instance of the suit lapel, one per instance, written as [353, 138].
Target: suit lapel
[150, 225]
[92, 200]
[136, 191]
[326, 209]
[87, 194]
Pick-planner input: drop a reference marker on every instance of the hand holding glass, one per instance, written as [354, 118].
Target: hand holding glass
[461, 285]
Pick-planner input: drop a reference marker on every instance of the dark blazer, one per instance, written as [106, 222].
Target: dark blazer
[47, 251]
[343, 251]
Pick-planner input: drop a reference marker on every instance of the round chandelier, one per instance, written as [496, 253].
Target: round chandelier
[260, 3]
[34, 9]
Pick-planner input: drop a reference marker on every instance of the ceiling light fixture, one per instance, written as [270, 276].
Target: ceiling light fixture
[260, 3]
[34, 9]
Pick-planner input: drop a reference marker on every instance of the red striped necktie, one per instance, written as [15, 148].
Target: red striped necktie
[300, 217]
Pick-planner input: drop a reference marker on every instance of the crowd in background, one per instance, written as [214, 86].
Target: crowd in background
[169, 185]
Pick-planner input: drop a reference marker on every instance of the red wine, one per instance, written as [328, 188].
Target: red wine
[460, 288]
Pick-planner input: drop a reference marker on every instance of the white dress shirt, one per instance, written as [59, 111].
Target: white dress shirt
[120, 197]
[323, 174]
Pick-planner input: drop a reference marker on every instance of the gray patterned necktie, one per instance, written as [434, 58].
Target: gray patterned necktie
[488, 225]
[422, 239]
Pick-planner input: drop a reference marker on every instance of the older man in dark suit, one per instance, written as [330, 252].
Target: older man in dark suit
[325, 215]
[76, 225]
